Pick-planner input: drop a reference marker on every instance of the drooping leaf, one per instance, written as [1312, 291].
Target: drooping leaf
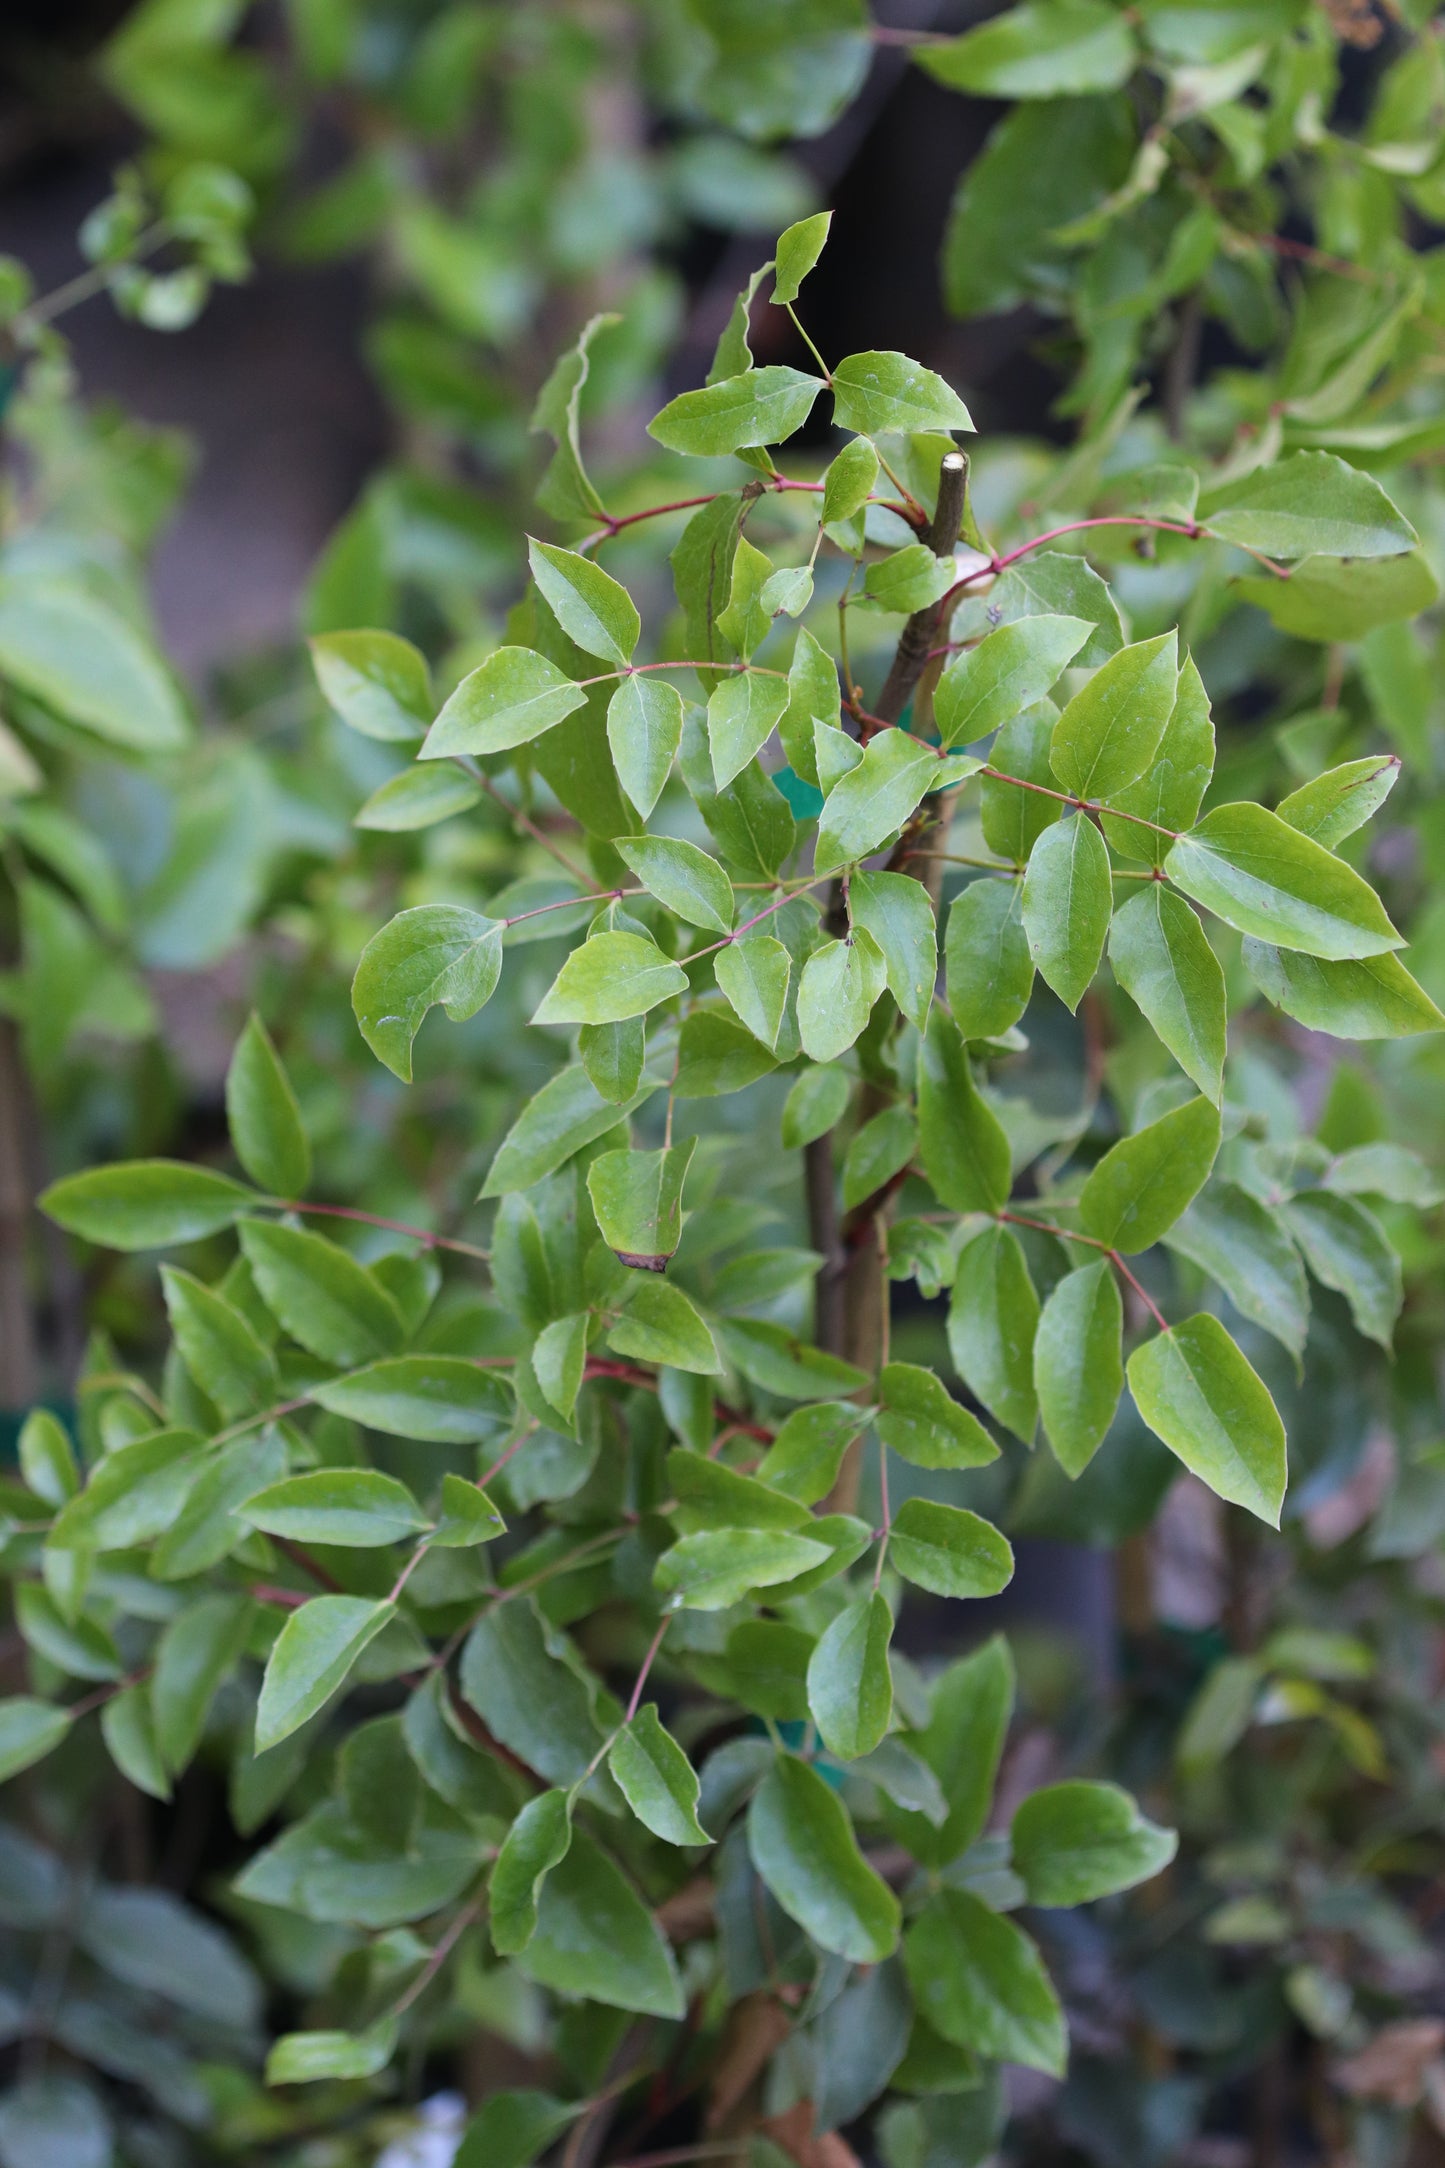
[850, 1687]
[848, 482]
[1197, 1392]
[1079, 1363]
[1066, 904]
[962, 1144]
[596, 1939]
[532, 1691]
[1162, 959]
[659, 1324]
[29, 1730]
[538, 1840]
[988, 970]
[1347, 1249]
[218, 1347]
[754, 974]
[874, 799]
[644, 730]
[803, 1846]
[840, 983]
[637, 1197]
[435, 953]
[896, 911]
[1245, 1247]
[1374, 997]
[991, 1323]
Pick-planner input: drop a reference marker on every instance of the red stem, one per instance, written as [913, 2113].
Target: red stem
[647, 1663]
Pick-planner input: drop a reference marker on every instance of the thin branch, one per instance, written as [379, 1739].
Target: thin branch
[393, 1226]
[647, 1663]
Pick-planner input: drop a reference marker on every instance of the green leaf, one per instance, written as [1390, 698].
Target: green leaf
[772, 1357]
[1347, 1249]
[717, 1057]
[981, 1983]
[353, 1507]
[1245, 1247]
[610, 977]
[880, 391]
[1171, 790]
[218, 1347]
[1066, 903]
[1144, 1182]
[949, 1551]
[128, 1730]
[813, 699]
[567, 1114]
[921, 1421]
[614, 1056]
[1110, 731]
[988, 971]
[1335, 804]
[992, 1318]
[1013, 819]
[328, 1302]
[437, 952]
[684, 879]
[559, 1360]
[437, 1399]
[593, 609]
[720, 1566]
[1260, 875]
[988, 686]
[637, 1197]
[29, 1730]
[798, 250]
[70, 649]
[565, 490]
[747, 620]
[263, 1117]
[1196, 1391]
[1375, 998]
[1162, 959]
[376, 682]
[1044, 49]
[873, 800]
[510, 699]
[304, 2058]
[907, 580]
[1079, 1363]
[897, 912]
[47, 1459]
[145, 1204]
[660, 1325]
[807, 1449]
[514, 2129]
[743, 711]
[850, 1685]
[201, 1527]
[963, 1743]
[754, 975]
[1073, 1843]
[198, 1649]
[816, 1104]
[467, 1517]
[840, 983]
[1047, 583]
[538, 1840]
[876, 1153]
[803, 1846]
[656, 1779]
[1309, 503]
[709, 1494]
[962, 1144]
[1331, 599]
[532, 1691]
[761, 406]
[1385, 1170]
[848, 482]
[79, 1647]
[644, 730]
[596, 1939]
[314, 1653]
[131, 1495]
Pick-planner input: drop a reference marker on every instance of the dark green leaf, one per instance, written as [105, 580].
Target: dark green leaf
[1079, 1363]
[988, 970]
[439, 1399]
[964, 1150]
[981, 1983]
[991, 1322]
[596, 1939]
[1075, 1842]
[264, 1119]
[921, 1421]
[314, 1653]
[850, 1686]
[656, 1779]
[1162, 959]
[803, 1846]
[949, 1551]
[331, 1304]
[1195, 1390]
[1347, 1249]
[1144, 1182]
[538, 1840]
[1245, 1247]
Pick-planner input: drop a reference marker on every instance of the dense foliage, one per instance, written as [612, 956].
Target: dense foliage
[931, 1139]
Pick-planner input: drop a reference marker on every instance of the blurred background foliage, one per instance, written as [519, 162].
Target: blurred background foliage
[343, 244]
